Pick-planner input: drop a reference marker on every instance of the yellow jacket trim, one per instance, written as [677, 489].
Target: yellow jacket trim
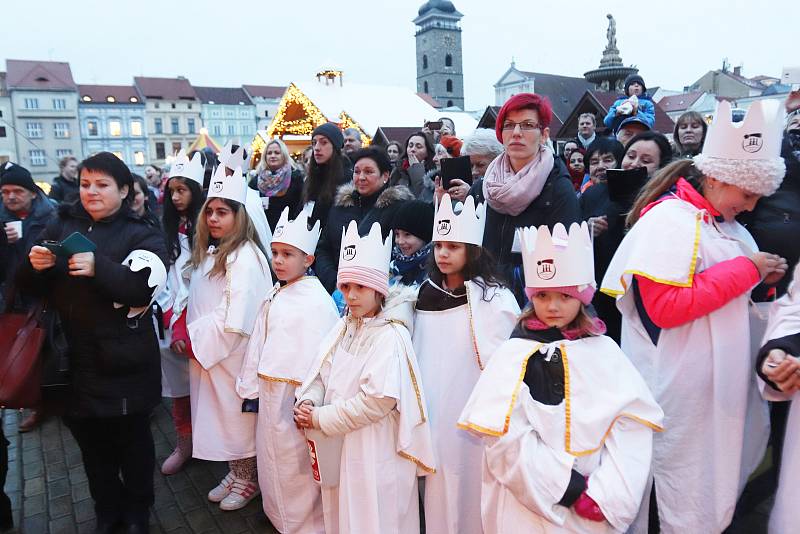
[416, 461]
[291, 381]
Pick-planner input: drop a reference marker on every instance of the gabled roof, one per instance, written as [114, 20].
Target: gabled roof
[108, 94]
[385, 134]
[265, 91]
[165, 88]
[598, 102]
[563, 91]
[430, 100]
[489, 117]
[41, 75]
[679, 102]
[229, 96]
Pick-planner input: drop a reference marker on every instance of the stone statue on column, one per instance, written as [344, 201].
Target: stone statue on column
[611, 34]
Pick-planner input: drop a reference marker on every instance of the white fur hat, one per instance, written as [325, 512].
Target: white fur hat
[745, 154]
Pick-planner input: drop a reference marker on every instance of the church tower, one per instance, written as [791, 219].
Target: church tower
[439, 71]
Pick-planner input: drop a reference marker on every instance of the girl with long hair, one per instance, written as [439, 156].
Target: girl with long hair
[463, 313]
[229, 280]
[327, 170]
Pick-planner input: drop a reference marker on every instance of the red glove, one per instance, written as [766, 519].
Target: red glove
[181, 333]
[588, 509]
[166, 317]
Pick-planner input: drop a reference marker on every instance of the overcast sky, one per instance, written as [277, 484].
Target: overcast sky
[673, 42]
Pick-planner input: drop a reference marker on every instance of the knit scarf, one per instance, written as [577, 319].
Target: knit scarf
[402, 264]
[272, 183]
[510, 193]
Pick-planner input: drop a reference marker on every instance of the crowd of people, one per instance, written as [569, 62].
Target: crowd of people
[568, 339]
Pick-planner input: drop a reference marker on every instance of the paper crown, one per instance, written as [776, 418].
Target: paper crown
[296, 232]
[157, 279]
[232, 187]
[184, 168]
[231, 158]
[370, 251]
[465, 227]
[557, 260]
[746, 153]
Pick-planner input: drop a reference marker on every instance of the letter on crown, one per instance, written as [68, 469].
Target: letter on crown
[558, 260]
[296, 232]
[370, 251]
[232, 159]
[465, 227]
[184, 168]
[231, 187]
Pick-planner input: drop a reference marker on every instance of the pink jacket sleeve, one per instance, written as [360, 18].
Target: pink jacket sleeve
[670, 306]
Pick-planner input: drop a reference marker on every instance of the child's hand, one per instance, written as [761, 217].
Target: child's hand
[782, 369]
[303, 414]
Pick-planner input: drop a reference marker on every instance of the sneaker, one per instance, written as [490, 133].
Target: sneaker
[242, 492]
[182, 454]
[222, 490]
[34, 419]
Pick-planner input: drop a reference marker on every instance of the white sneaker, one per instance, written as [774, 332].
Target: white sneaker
[242, 492]
[222, 490]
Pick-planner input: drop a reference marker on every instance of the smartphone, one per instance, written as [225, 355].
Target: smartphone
[434, 126]
[456, 168]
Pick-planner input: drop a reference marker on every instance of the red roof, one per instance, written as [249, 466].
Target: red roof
[264, 91]
[429, 100]
[679, 102]
[165, 88]
[102, 94]
[41, 75]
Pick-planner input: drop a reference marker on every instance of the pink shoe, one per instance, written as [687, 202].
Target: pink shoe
[182, 454]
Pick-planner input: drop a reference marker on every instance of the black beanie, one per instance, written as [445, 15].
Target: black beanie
[12, 174]
[637, 79]
[332, 132]
[416, 218]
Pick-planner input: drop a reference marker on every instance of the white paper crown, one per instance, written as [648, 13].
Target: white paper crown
[370, 251]
[465, 227]
[232, 159]
[296, 232]
[184, 168]
[557, 260]
[232, 187]
[746, 153]
[157, 279]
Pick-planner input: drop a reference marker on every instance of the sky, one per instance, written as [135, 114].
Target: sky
[673, 42]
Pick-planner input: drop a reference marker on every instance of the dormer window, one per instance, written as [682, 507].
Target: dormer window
[41, 79]
[110, 99]
[86, 98]
[134, 100]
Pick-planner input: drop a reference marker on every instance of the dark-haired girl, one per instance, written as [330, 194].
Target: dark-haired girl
[463, 314]
[183, 199]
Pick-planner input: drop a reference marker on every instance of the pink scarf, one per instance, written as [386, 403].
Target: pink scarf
[510, 193]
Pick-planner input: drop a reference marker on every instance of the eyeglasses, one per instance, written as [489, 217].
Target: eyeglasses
[525, 126]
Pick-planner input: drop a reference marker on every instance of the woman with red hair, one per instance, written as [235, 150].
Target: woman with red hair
[526, 185]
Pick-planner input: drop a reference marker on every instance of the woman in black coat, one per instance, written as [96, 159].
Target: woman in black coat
[114, 360]
[368, 199]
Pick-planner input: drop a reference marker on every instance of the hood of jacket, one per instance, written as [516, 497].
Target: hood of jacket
[347, 196]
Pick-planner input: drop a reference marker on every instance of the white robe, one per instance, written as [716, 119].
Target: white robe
[603, 429]
[715, 424]
[221, 316]
[283, 347]
[785, 321]
[380, 462]
[445, 344]
[174, 297]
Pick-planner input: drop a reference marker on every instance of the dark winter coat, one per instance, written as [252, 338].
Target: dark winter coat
[556, 203]
[64, 191]
[114, 361]
[348, 206]
[291, 197]
[12, 254]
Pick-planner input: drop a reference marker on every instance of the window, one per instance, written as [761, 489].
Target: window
[425, 87]
[157, 105]
[449, 103]
[38, 158]
[86, 98]
[188, 106]
[59, 103]
[449, 86]
[114, 128]
[231, 129]
[111, 99]
[190, 125]
[2, 131]
[91, 128]
[448, 60]
[34, 129]
[217, 129]
[424, 61]
[174, 125]
[176, 147]
[136, 128]
[32, 103]
[266, 113]
[119, 155]
[138, 157]
[173, 105]
[215, 113]
[160, 154]
[61, 130]
[158, 126]
[63, 152]
[230, 114]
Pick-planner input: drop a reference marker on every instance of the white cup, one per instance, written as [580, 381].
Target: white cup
[15, 225]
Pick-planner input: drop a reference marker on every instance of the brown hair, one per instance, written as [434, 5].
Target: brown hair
[688, 117]
[583, 323]
[663, 180]
[243, 231]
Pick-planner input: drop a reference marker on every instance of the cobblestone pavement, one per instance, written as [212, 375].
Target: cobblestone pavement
[49, 493]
